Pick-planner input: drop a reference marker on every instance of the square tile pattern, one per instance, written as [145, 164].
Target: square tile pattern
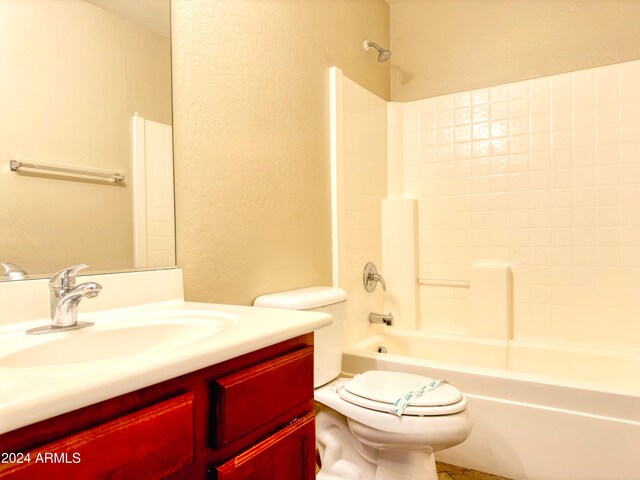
[541, 174]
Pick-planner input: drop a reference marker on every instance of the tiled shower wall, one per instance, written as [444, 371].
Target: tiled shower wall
[543, 175]
[161, 241]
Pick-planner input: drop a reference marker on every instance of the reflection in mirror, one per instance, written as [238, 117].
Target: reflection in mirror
[86, 85]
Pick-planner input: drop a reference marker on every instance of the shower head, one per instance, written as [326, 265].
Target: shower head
[383, 55]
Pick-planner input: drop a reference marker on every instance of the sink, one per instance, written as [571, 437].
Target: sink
[114, 337]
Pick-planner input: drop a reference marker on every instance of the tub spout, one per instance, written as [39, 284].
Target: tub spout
[385, 318]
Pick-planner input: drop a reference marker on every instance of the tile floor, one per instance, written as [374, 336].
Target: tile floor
[451, 472]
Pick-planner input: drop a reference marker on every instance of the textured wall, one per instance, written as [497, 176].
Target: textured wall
[445, 46]
[252, 137]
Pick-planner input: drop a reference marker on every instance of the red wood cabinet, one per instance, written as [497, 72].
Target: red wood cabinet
[151, 443]
[282, 455]
[272, 389]
[247, 418]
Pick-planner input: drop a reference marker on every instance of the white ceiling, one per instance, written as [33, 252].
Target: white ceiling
[149, 14]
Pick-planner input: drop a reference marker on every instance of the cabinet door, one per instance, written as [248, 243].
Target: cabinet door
[288, 454]
[148, 444]
[271, 393]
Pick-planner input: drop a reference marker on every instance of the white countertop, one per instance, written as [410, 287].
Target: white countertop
[32, 394]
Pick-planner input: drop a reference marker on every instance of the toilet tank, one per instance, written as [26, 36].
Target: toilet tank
[327, 359]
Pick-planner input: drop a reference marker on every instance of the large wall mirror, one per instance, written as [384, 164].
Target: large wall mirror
[86, 84]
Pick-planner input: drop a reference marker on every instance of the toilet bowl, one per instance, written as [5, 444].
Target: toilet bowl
[357, 435]
[404, 444]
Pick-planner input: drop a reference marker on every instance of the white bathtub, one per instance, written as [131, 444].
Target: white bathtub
[580, 420]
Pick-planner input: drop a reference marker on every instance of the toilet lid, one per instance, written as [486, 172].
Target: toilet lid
[386, 387]
[411, 411]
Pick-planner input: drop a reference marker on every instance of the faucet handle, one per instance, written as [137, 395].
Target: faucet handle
[370, 277]
[66, 278]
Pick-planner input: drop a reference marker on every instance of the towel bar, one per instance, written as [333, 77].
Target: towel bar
[91, 172]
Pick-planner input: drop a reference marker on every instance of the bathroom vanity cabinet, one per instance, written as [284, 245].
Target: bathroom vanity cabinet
[247, 418]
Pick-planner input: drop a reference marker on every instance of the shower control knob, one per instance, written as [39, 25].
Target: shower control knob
[370, 277]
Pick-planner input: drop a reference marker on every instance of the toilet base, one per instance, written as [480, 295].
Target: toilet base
[404, 464]
[344, 457]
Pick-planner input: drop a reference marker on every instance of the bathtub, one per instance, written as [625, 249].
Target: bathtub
[539, 411]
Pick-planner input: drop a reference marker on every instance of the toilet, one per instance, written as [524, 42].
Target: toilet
[357, 436]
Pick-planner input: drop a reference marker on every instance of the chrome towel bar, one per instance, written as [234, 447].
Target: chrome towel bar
[69, 169]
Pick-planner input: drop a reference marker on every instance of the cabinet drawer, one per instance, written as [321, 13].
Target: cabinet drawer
[285, 455]
[277, 390]
[150, 443]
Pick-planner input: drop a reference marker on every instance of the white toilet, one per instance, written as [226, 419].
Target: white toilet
[357, 435]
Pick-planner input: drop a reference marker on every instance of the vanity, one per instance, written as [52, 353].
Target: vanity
[230, 398]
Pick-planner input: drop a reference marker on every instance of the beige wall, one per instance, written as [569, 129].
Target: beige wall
[445, 46]
[72, 76]
[252, 137]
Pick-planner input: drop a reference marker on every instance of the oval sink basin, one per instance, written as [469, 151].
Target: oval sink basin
[115, 338]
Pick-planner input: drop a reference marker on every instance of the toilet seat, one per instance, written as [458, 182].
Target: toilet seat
[328, 395]
[378, 390]
[410, 410]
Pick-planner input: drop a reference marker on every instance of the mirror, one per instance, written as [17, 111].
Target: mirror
[86, 85]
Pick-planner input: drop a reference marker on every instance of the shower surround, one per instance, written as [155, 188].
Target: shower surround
[526, 192]
[543, 175]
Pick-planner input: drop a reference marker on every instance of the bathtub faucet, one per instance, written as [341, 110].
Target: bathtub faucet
[385, 318]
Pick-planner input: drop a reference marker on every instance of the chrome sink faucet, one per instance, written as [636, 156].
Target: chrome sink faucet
[64, 297]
